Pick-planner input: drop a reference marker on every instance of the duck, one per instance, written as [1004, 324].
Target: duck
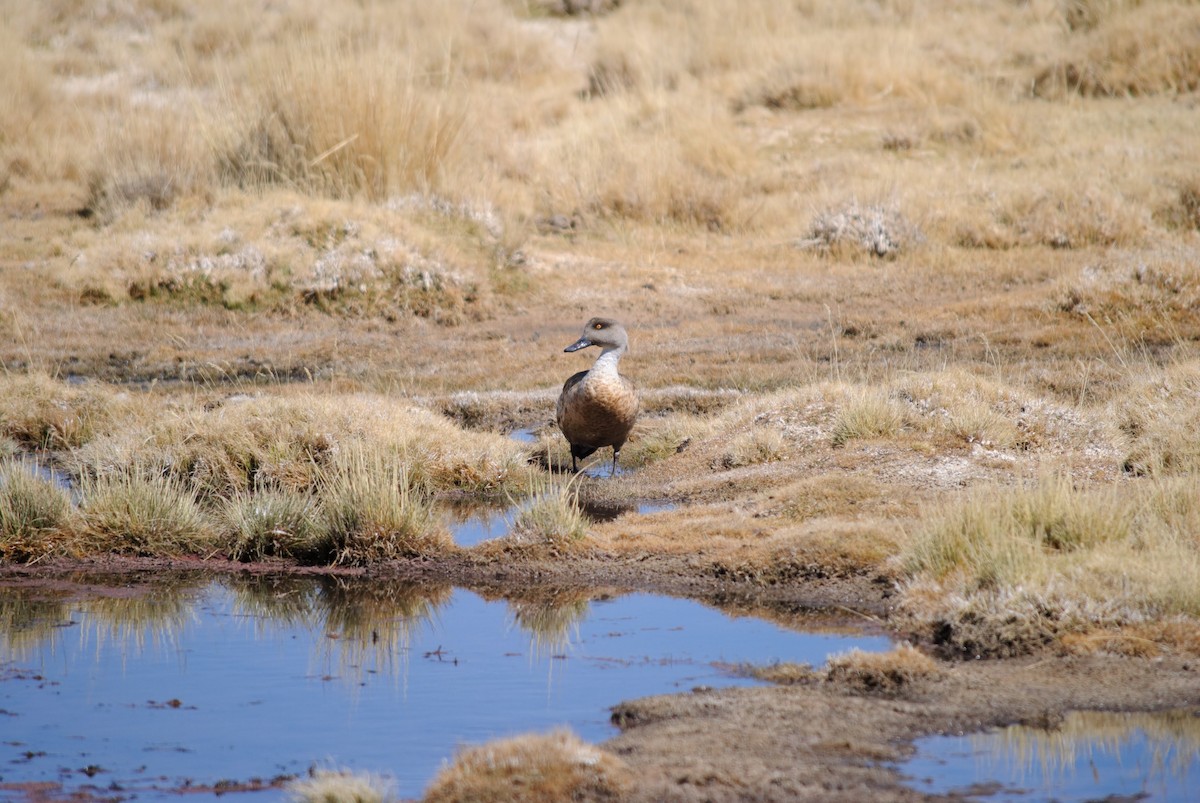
[598, 407]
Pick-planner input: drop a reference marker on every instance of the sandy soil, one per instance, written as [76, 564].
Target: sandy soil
[822, 739]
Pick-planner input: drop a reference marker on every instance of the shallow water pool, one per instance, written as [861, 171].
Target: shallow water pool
[144, 693]
[1091, 756]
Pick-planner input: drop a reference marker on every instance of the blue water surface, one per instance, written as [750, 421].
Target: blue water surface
[239, 681]
[1093, 756]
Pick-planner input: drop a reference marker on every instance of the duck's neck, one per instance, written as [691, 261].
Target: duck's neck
[606, 363]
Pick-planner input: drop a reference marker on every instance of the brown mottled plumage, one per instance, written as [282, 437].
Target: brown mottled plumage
[598, 407]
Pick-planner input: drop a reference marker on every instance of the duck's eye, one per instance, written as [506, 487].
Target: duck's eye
[598, 326]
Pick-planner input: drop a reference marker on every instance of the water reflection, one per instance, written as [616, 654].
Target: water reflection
[256, 676]
[358, 627]
[1091, 755]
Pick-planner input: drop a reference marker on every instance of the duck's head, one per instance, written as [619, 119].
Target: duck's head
[603, 332]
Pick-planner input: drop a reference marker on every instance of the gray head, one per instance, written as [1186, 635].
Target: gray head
[603, 332]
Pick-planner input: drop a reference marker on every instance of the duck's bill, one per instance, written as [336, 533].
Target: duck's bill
[581, 343]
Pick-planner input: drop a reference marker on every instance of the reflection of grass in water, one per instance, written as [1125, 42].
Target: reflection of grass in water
[130, 622]
[357, 624]
[275, 600]
[373, 622]
[1089, 738]
[550, 617]
[26, 622]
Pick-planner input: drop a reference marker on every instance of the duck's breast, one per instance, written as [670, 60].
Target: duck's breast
[597, 411]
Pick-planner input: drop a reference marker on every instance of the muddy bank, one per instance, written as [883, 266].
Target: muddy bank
[826, 741]
[861, 595]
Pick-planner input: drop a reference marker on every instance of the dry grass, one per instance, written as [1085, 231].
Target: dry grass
[1127, 49]
[39, 412]
[271, 524]
[372, 511]
[886, 674]
[340, 786]
[286, 442]
[1008, 570]
[532, 769]
[550, 522]
[34, 514]
[139, 514]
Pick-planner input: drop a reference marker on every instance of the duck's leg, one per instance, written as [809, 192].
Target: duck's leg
[612, 472]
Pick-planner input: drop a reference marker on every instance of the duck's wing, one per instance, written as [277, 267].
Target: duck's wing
[564, 397]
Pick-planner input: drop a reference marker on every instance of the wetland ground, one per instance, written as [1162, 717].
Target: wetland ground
[913, 293]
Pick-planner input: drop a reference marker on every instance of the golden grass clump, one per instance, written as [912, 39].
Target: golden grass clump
[660, 158]
[761, 444]
[271, 524]
[886, 674]
[340, 786]
[867, 414]
[286, 442]
[1161, 420]
[373, 511]
[1008, 570]
[132, 513]
[532, 769]
[34, 514]
[341, 121]
[151, 160]
[39, 412]
[551, 520]
[1127, 50]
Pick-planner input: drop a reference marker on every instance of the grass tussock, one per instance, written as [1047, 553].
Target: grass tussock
[886, 674]
[39, 412]
[272, 524]
[1126, 50]
[785, 673]
[286, 443]
[151, 161]
[1159, 419]
[35, 514]
[340, 786]
[132, 513]
[867, 415]
[1006, 571]
[532, 769]
[552, 520]
[341, 121]
[373, 510]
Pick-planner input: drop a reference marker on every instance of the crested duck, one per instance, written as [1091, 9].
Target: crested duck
[598, 407]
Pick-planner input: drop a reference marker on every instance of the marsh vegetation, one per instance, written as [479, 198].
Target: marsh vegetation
[913, 293]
